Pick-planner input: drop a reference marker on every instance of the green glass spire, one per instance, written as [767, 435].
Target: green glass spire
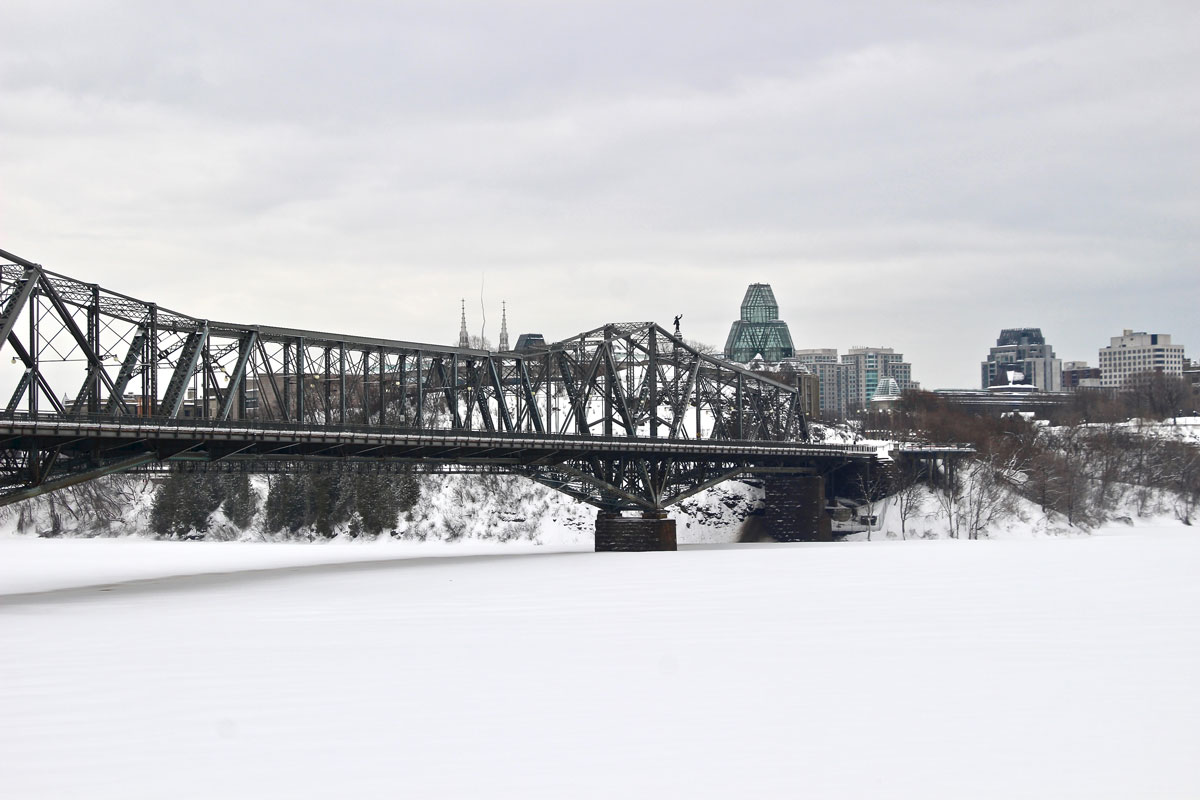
[759, 332]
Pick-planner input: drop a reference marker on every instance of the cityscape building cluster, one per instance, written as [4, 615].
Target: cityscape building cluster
[846, 382]
[852, 380]
[1022, 360]
[833, 385]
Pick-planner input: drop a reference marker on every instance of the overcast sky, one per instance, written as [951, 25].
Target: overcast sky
[918, 177]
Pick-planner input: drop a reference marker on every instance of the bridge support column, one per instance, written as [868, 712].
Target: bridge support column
[795, 509]
[653, 530]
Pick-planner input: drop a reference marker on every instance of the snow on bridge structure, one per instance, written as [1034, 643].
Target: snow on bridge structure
[626, 417]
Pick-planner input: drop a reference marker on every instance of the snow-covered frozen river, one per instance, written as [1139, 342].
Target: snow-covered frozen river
[1020, 668]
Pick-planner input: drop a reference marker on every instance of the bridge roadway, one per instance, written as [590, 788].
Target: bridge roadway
[167, 438]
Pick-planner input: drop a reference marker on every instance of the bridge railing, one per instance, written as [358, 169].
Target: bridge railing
[50, 423]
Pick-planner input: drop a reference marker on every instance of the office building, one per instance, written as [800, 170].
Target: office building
[1021, 357]
[1136, 352]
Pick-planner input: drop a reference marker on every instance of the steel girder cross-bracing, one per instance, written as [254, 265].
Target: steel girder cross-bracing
[622, 416]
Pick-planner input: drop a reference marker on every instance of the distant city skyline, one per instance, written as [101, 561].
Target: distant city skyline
[917, 176]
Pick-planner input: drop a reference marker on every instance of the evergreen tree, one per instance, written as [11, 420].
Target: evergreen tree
[365, 502]
[329, 500]
[408, 491]
[240, 502]
[285, 506]
[377, 502]
[165, 508]
[184, 502]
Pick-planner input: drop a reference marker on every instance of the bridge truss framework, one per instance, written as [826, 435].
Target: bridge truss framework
[624, 416]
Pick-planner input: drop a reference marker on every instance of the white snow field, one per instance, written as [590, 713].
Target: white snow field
[1033, 668]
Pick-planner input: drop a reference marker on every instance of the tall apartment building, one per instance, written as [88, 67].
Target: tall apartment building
[1022, 357]
[1135, 352]
[867, 366]
[834, 393]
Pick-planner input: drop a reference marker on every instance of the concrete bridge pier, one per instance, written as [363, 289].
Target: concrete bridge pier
[794, 509]
[653, 530]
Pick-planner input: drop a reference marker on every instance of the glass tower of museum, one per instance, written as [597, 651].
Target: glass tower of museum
[760, 331]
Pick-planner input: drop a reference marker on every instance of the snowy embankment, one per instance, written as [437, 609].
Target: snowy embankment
[500, 508]
[1043, 668]
[452, 508]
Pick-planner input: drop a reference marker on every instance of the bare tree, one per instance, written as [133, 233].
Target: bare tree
[872, 485]
[986, 497]
[949, 498]
[1184, 465]
[909, 492]
[978, 500]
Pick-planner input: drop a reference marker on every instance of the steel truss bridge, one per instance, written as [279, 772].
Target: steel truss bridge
[624, 416]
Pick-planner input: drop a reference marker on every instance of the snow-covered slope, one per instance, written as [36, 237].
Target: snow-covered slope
[486, 508]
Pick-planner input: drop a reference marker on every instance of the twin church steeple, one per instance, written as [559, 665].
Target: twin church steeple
[464, 339]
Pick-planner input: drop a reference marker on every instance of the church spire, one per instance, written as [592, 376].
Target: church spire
[463, 339]
[503, 327]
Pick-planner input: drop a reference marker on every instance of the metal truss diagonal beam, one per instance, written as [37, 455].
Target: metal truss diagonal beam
[31, 368]
[12, 309]
[185, 368]
[237, 379]
[132, 358]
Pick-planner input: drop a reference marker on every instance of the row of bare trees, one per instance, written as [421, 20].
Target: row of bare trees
[91, 507]
[1086, 470]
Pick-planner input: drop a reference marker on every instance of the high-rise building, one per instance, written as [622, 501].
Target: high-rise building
[760, 332]
[869, 365]
[1136, 352]
[834, 376]
[1022, 357]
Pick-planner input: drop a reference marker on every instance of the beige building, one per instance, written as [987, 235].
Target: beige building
[1136, 352]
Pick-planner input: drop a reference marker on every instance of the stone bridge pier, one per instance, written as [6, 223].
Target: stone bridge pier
[652, 530]
[794, 509]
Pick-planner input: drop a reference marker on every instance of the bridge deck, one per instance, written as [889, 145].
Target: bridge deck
[225, 439]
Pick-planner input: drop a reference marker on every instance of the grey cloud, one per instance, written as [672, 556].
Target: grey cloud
[918, 176]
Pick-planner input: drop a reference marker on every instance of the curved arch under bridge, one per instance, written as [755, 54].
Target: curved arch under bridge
[625, 416]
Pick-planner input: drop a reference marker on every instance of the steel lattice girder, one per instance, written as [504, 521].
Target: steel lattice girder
[84, 352]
